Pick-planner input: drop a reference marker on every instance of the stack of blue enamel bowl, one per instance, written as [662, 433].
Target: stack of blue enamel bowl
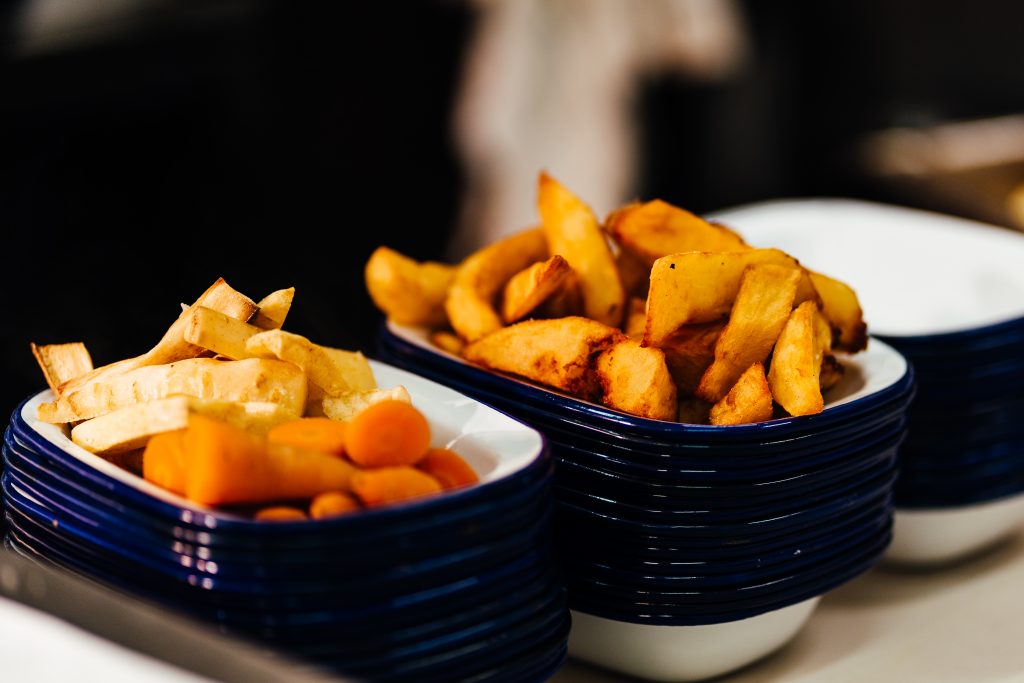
[949, 294]
[669, 525]
[455, 587]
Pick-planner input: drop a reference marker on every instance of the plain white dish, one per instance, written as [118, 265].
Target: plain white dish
[915, 272]
[940, 535]
[495, 445]
[684, 653]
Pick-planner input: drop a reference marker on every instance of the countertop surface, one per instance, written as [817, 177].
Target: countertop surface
[962, 623]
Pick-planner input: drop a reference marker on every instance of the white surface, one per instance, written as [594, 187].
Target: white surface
[684, 653]
[867, 372]
[945, 534]
[35, 646]
[915, 272]
[494, 444]
[964, 624]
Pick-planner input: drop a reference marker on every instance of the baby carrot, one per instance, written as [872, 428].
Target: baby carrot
[391, 484]
[163, 461]
[279, 513]
[386, 434]
[448, 468]
[332, 504]
[311, 433]
[226, 465]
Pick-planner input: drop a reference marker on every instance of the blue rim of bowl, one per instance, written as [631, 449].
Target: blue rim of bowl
[642, 426]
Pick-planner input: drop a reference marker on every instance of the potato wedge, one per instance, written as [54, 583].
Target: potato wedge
[173, 347]
[762, 306]
[446, 341]
[130, 427]
[634, 274]
[335, 371]
[796, 363]
[251, 380]
[654, 229]
[62, 363]
[635, 379]
[572, 231]
[531, 287]
[470, 300]
[347, 406]
[841, 308]
[699, 287]
[407, 291]
[749, 400]
[273, 309]
[689, 351]
[556, 352]
[222, 334]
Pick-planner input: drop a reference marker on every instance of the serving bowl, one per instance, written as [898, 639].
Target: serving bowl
[681, 535]
[461, 585]
[949, 294]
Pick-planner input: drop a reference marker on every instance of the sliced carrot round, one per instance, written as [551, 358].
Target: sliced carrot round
[333, 504]
[388, 434]
[448, 468]
[391, 484]
[311, 433]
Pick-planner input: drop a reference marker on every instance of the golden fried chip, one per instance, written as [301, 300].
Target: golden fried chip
[447, 341]
[689, 351]
[572, 231]
[335, 371]
[533, 286]
[636, 380]
[842, 309]
[556, 352]
[762, 306]
[749, 400]
[796, 363]
[273, 309]
[62, 363]
[656, 228]
[407, 291]
[636, 318]
[470, 299]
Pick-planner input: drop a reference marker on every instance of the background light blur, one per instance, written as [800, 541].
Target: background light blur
[149, 146]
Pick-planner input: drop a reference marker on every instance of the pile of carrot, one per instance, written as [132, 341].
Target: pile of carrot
[381, 456]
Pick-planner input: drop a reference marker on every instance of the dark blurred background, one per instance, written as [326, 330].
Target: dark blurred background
[147, 152]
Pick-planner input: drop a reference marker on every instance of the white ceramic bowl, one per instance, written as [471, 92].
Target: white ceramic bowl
[684, 653]
[935, 536]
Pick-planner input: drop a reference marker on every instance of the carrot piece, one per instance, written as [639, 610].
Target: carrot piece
[391, 484]
[279, 513]
[163, 461]
[448, 467]
[332, 504]
[311, 433]
[387, 434]
[225, 465]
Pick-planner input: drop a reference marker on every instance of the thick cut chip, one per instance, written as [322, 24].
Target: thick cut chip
[762, 307]
[556, 352]
[334, 371]
[749, 400]
[129, 428]
[699, 287]
[173, 347]
[471, 297]
[219, 333]
[447, 341]
[61, 363]
[273, 309]
[842, 309]
[636, 380]
[533, 286]
[572, 231]
[347, 406]
[689, 351]
[407, 291]
[796, 363]
[656, 228]
[634, 274]
[251, 380]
